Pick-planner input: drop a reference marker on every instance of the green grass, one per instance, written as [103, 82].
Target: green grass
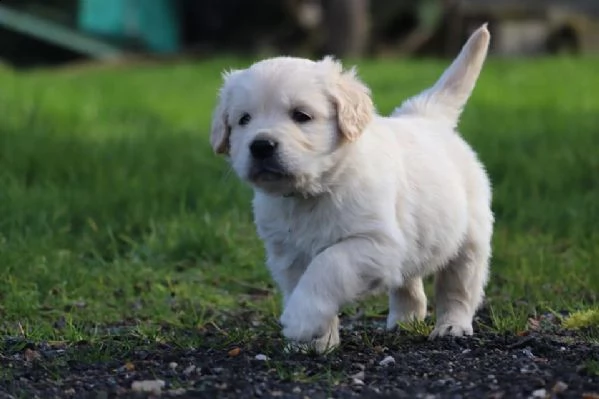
[588, 318]
[115, 213]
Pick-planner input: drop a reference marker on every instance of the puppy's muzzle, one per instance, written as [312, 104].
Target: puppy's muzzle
[266, 164]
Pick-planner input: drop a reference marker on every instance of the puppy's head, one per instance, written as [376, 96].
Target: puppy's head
[284, 121]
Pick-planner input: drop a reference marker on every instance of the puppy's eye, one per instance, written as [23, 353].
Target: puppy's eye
[300, 116]
[245, 119]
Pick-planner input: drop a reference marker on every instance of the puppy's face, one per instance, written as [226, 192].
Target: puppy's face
[283, 120]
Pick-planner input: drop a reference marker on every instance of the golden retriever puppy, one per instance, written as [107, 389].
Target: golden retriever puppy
[348, 202]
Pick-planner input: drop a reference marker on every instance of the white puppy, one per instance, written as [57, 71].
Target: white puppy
[347, 201]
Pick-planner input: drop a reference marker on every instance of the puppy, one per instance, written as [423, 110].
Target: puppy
[348, 202]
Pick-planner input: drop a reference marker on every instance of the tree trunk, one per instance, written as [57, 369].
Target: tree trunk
[346, 27]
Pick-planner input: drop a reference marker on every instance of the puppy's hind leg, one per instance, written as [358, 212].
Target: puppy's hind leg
[459, 289]
[406, 303]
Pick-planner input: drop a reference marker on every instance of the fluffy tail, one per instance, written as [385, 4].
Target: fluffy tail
[447, 97]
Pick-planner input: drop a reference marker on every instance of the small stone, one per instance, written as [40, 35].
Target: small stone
[129, 366]
[152, 386]
[387, 361]
[559, 387]
[234, 352]
[539, 393]
[261, 357]
[360, 366]
[172, 365]
[527, 352]
[296, 390]
[188, 370]
[31, 355]
[358, 376]
[466, 351]
[356, 381]
[70, 392]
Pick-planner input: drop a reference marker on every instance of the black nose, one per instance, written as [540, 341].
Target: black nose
[262, 149]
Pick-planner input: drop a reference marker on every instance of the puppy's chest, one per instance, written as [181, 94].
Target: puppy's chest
[299, 231]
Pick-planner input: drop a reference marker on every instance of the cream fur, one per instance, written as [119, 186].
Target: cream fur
[366, 202]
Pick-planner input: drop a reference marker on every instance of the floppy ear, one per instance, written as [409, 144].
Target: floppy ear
[352, 100]
[219, 134]
[220, 130]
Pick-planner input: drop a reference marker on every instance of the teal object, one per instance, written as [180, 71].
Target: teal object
[155, 23]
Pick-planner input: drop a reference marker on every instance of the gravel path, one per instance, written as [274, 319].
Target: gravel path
[371, 364]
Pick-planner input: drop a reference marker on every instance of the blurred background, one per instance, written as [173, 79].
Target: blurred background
[34, 32]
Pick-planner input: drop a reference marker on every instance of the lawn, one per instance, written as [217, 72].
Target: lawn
[118, 222]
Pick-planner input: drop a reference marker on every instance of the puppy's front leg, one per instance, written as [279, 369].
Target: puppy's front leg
[287, 278]
[338, 275]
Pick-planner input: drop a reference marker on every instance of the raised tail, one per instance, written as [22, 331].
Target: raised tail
[447, 98]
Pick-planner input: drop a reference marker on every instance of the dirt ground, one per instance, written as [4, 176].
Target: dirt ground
[370, 364]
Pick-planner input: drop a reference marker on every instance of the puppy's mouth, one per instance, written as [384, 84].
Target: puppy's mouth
[268, 171]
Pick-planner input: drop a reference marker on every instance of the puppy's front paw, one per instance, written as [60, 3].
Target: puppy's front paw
[451, 329]
[304, 320]
[321, 345]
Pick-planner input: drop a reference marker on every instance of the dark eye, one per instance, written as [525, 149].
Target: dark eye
[300, 116]
[245, 119]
